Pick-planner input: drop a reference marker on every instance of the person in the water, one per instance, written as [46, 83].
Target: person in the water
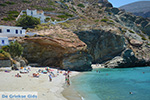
[130, 92]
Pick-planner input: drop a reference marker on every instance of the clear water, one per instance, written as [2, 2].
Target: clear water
[114, 84]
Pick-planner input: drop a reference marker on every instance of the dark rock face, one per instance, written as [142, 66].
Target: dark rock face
[80, 61]
[102, 45]
[127, 59]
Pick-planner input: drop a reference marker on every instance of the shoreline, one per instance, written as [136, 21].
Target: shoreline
[69, 92]
[42, 85]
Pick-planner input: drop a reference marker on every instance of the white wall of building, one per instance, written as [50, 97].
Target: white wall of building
[11, 31]
[4, 41]
[31, 12]
[34, 13]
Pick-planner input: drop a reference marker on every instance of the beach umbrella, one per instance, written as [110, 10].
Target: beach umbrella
[52, 69]
[46, 67]
[44, 71]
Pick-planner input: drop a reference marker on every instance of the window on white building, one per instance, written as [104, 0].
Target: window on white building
[31, 13]
[20, 31]
[3, 42]
[16, 31]
[0, 30]
[8, 30]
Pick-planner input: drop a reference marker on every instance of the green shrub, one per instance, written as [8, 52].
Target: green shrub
[142, 36]
[27, 36]
[100, 7]
[11, 15]
[5, 48]
[69, 15]
[15, 49]
[66, 6]
[111, 21]
[9, 2]
[13, 12]
[4, 54]
[131, 31]
[104, 20]
[109, 13]
[7, 55]
[100, 11]
[81, 5]
[47, 19]
[84, 20]
[9, 18]
[2, 4]
[72, 3]
[96, 20]
[51, 3]
[73, 8]
[42, 26]
[65, 25]
[27, 21]
[149, 37]
[62, 16]
[26, 1]
[124, 31]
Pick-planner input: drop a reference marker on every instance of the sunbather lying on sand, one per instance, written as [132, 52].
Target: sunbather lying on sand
[17, 75]
[35, 75]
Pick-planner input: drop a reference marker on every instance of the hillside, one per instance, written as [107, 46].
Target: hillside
[140, 8]
[9, 9]
[98, 34]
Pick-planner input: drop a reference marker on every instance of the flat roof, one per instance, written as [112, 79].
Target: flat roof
[3, 26]
[3, 37]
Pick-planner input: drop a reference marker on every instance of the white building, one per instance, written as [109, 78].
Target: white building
[4, 41]
[11, 31]
[37, 14]
[34, 13]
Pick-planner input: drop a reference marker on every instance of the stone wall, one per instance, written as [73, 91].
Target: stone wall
[5, 63]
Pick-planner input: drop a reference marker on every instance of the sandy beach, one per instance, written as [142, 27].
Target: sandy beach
[97, 66]
[27, 83]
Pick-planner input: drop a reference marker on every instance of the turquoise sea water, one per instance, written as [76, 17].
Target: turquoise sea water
[114, 84]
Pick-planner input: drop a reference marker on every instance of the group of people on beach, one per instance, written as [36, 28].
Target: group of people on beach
[46, 71]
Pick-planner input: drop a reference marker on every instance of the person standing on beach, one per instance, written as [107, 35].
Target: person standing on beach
[50, 77]
[57, 71]
[68, 80]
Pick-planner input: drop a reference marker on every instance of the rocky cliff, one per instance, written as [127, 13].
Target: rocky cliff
[64, 50]
[100, 34]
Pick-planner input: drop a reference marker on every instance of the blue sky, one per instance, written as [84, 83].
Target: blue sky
[118, 3]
